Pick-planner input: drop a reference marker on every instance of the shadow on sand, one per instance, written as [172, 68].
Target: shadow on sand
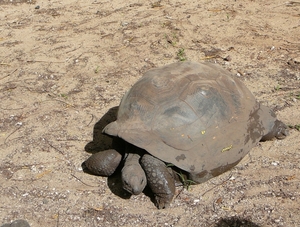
[235, 222]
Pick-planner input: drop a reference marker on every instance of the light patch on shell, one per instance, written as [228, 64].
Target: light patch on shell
[203, 93]
[226, 148]
[233, 118]
[162, 82]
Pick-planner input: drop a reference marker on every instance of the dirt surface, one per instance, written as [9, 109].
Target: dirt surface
[64, 64]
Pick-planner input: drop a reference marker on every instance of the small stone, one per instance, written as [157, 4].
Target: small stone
[297, 60]
[275, 163]
[17, 223]
[196, 201]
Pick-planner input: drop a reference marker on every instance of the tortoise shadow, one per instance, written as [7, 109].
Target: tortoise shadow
[102, 142]
[114, 182]
[235, 222]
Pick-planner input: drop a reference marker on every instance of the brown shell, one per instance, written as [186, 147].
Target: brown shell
[196, 116]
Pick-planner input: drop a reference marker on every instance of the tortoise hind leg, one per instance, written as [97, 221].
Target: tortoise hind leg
[160, 180]
[271, 127]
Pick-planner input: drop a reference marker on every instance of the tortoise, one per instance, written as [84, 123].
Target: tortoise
[194, 116]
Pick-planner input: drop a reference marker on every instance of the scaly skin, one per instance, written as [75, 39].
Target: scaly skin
[160, 180]
[103, 163]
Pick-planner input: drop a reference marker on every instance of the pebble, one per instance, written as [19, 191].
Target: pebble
[17, 223]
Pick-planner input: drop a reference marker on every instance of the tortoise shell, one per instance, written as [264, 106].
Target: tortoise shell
[196, 116]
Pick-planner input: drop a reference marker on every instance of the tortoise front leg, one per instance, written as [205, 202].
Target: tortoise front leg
[160, 180]
[103, 163]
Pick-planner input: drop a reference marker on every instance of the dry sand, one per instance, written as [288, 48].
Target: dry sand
[64, 64]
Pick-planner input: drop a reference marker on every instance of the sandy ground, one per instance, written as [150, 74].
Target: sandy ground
[64, 64]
